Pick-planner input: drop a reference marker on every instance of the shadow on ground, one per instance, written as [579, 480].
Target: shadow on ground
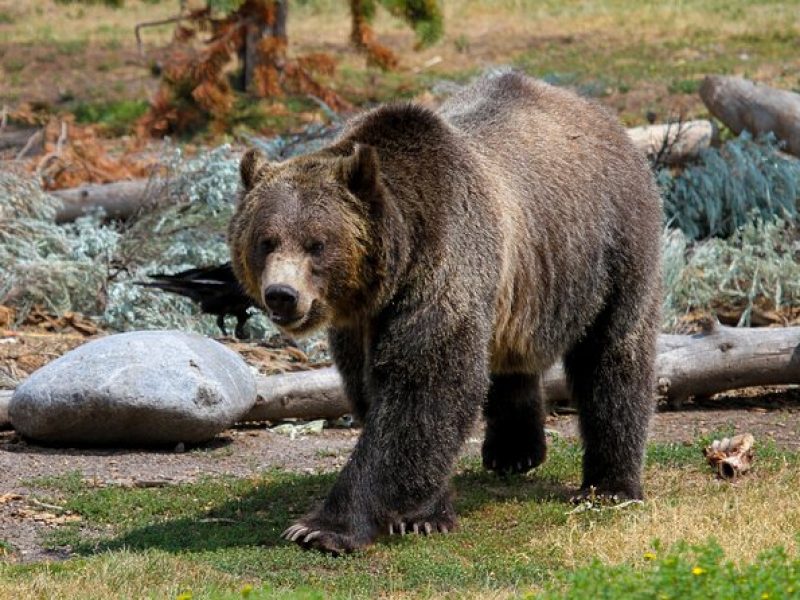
[258, 517]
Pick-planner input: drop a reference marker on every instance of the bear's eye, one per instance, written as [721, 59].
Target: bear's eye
[316, 248]
[267, 246]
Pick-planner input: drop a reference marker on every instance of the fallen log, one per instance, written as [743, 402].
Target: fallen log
[744, 105]
[305, 395]
[722, 359]
[673, 143]
[119, 200]
[12, 138]
[5, 399]
[726, 358]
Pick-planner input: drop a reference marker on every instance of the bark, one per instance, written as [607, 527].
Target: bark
[119, 200]
[723, 359]
[5, 398]
[673, 143]
[11, 138]
[249, 54]
[742, 104]
[726, 358]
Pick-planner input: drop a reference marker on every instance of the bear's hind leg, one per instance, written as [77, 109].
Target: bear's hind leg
[611, 372]
[514, 410]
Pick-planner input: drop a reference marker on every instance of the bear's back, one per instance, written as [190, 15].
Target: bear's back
[576, 204]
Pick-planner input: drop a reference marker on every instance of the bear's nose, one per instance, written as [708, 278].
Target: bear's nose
[281, 300]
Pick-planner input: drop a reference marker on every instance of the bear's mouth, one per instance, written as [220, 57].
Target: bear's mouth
[304, 324]
[285, 320]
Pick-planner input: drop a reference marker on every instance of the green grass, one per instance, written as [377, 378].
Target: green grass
[117, 118]
[688, 573]
[219, 535]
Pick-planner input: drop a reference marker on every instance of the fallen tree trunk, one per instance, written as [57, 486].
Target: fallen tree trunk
[742, 104]
[723, 359]
[673, 143]
[5, 399]
[305, 395]
[119, 200]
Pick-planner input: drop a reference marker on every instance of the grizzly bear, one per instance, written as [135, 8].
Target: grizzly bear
[454, 255]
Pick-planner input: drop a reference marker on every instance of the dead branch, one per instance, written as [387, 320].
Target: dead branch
[744, 105]
[36, 138]
[139, 26]
[119, 200]
[673, 143]
[50, 156]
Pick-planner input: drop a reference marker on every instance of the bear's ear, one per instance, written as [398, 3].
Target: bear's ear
[252, 163]
[361, 172]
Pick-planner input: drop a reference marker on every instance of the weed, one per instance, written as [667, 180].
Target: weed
[684, 86]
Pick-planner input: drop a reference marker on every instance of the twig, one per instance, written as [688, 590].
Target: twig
[4, 118]
[661, 157]
[62, 138]
[29, 144]
[41, 504]
[139, 26]
[329, 112]
[595, 507]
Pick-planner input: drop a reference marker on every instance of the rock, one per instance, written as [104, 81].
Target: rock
[138, 388]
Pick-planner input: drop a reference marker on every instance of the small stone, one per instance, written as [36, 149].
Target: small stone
[137, 388]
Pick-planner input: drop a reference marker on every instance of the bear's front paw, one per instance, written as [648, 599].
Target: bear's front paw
[325, 539]
[513, 451]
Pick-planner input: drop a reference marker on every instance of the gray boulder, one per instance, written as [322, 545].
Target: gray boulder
[138, 388]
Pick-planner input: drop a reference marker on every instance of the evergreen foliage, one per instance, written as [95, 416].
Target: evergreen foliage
[758, 265]
[91, 267]
[728, 185]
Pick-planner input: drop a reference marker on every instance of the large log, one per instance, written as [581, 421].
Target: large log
[723, 359]
[742, 104]
[673, 143]
[119, 200]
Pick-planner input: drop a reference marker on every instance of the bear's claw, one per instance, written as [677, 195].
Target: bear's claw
[323, 540]
[511, 454]
[418, 528]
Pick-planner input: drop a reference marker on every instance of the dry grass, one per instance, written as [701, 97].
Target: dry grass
[123, 574]
[761, 512]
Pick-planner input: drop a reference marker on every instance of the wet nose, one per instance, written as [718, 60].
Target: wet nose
[281, 300]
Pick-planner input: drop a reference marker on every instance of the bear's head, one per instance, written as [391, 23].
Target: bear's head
[303, 237]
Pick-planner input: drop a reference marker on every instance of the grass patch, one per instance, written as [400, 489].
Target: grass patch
[688, 573]
[217, 536]
[117, 118]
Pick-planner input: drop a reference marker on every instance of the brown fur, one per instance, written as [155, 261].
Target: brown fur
[465, 251]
